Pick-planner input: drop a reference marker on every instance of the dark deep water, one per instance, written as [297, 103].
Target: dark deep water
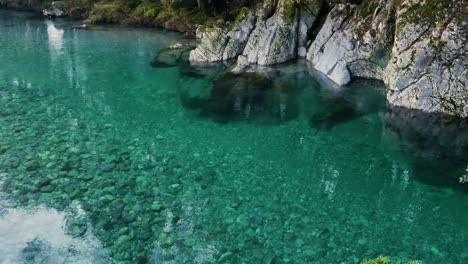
[104, 159]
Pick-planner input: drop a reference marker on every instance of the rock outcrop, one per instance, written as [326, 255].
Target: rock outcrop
[212, 43]
[417, 47]
[274, 40]
[353, 42]
[239, 36]
[172, 55]
[429, 65]
[419, 52]
[56, 9]
[276, 33]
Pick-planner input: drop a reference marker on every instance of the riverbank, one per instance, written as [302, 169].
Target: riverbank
[180, 16]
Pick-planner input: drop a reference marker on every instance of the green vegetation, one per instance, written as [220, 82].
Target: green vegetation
[387, 260]
[429, 11]
[106, 13]
[464, 178]
[366, 8]
[29, 4]
[288, 11]
[242, 15]
[175, 15]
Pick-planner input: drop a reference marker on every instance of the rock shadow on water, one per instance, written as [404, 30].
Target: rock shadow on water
[437, 144]
[246, 96]
[335, 110]
[172, 56]
[332, 105]
[206, 71]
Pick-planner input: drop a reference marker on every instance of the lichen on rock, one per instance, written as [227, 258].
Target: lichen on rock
[352, 43]
[428, 69]
[212, 43]
[275, 39]
[239, 36]
[275, 33]
[419, 52]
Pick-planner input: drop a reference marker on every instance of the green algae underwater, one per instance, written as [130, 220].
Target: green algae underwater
[105, 159]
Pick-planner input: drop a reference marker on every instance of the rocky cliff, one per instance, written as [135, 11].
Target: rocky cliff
[417, 47]
[270, 35]
[429, 63]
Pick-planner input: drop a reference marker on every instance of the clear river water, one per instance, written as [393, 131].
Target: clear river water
[106, 159]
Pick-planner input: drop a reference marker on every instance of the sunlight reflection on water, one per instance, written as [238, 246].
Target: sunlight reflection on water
[42, 229]
[55, 37]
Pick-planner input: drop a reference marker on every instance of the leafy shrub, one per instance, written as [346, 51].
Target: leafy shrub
[106, 13]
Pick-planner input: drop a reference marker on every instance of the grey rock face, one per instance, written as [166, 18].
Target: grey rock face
[239, 36]
[307, 16]
[172, 55]
[328, 51]
[56, 9]
[212, 43]
[274, 40]
[351, 45]
[429, 66]
[274, 34]
[242, 64]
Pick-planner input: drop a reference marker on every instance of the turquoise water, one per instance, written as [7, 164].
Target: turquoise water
[105, 159]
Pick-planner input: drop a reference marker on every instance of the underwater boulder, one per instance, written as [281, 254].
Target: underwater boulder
[235, 95]
[212, 70]
[171, 56]
[334, 110]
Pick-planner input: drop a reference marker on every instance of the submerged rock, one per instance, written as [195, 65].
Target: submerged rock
[335, 110]
[171, 56]
[428, 69]
[33, 252]
[76, 226]
[234, 94]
